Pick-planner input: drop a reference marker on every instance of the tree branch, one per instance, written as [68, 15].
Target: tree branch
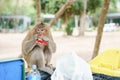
[60, 12]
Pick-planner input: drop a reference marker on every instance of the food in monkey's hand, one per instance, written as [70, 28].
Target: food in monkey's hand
[41, 41]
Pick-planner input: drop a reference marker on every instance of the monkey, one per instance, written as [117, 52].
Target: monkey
[37, 53]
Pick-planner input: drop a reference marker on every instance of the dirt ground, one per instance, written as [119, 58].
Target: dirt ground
[10, 44]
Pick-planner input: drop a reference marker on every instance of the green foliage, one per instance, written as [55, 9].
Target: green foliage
[18, 7]
[93, 5]
[28, 7]
[95, 15]
[3, 5]
[93, 8]
[51, 6]
[15, 7]
[113, 6]
[77, 7]
[70, 26]
[69, 29]
[45, 6]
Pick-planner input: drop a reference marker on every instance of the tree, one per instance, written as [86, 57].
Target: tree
[89, 7]
[3, 5]
[56, 7]
[100, 27]
[77, 8]
[82, 20]
[38, 11]
[52, 7]
[83, 8]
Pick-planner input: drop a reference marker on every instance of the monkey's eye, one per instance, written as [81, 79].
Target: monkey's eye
[38, 30]
[42, 29]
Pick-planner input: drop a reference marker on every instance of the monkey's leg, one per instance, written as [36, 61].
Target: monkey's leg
[36, 58]
[48, 59]
[46, 68]
[40, 59]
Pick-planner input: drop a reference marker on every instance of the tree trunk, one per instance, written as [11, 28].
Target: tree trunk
[65, 23]
[82, 24]
[100, 27]
[76, 28]
[60, 12]
[82, 19]
[38, 10]
[64, 28]
[7, 26]
[87, 21]
[16, 7]
[76, 20]
[16, 21]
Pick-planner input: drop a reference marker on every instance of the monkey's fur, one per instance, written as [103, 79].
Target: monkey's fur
[38, 54]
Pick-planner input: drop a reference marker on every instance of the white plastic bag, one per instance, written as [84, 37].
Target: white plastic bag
[72, 67]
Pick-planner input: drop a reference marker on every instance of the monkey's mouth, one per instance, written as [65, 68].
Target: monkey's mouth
[40, 34]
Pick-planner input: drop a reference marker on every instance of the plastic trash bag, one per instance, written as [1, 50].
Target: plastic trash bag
[72, 67]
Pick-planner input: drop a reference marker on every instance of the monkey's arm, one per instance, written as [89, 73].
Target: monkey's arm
[28, 46]
[51, 46]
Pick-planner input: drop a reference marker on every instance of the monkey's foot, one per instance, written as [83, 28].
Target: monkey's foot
[48, 70]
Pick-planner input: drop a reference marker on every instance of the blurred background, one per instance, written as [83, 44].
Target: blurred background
[75, 30]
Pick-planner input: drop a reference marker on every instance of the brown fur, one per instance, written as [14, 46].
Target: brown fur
[38, 54]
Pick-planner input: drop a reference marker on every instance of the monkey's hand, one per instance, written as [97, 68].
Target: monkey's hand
[42, 42]
[45, 39]
[35, 36]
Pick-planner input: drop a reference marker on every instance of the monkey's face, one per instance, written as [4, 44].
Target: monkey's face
[41, 31]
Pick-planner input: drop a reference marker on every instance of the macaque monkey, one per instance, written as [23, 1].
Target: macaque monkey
[38, 46]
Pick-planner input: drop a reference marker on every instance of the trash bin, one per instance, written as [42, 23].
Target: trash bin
[97, 76]
[12, 69]
[106, 65]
